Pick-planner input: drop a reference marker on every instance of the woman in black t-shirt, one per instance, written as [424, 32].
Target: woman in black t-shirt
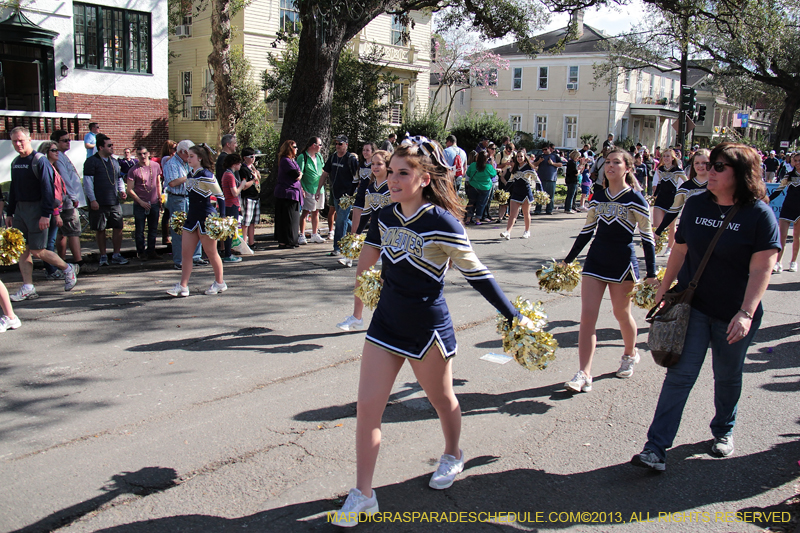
[726, 308]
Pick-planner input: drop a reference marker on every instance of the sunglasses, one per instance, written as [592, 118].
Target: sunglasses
[294, 147]
[339, 144]
[53, 150]
[110, 145]
[718, 166]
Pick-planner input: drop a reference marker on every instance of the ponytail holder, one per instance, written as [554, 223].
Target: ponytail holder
[428, 148]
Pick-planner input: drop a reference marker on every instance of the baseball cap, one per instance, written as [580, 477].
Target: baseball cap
[772, 152]
[341, 138]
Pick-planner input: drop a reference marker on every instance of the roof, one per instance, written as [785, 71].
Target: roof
[18, 28]
[589, 42]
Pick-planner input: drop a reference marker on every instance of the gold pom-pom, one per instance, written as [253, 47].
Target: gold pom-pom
[502, 196]
[350, 245]
[650, 199]
[541, 198]
[531, 346]
[219, 228]
[660, 273]
[177, 220]
[662, 241]
[369, 287]
[556, 276]
[346, 201]
[12, 245]
[644, 295]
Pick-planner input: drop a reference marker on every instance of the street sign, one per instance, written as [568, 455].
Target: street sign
[784, 144]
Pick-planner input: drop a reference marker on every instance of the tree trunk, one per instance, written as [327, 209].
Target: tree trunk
[786, 130]
[219, 61]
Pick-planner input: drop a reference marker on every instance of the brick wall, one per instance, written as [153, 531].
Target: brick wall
[129, 122]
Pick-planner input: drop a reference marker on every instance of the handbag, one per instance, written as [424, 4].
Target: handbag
[670, 318]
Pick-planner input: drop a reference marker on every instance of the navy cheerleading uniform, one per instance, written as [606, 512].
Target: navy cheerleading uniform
[412, 314]
[375, 197]
[518, 183]
[790, 210]
[669, 181]
[612, 258]
[684, 192]
[364, 173]
[199, 187]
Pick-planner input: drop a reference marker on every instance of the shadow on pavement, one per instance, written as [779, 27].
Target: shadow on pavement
[693, 480]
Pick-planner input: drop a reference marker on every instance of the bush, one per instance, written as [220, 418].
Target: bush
[255, 131]
[426, 124]
[627, 143]
[469, 128]
[529, 142]
[590, 139]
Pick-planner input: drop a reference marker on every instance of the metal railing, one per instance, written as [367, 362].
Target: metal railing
[42, 124]
[203, 113]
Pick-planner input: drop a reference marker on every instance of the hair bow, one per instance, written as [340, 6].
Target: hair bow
[429, 148]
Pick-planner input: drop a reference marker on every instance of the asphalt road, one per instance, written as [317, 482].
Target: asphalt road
[126, 410]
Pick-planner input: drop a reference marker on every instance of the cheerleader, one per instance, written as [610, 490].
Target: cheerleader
[611, 262]
[667, 180]
[200, 185]
[695, 184]
[517, 181]
[417, 238]
[790, 213]
[364, 179]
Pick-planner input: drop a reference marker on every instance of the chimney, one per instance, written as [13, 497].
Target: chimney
[578, 19]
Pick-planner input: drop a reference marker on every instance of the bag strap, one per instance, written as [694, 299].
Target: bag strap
[712, 245]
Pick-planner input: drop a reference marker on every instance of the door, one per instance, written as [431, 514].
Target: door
[22, 83]
[571, 132]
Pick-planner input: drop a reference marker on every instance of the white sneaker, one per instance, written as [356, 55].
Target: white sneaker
[580, 382]
[667, 252]
[23, 294]
[526, 235]
[356, 504]
[626, 365]
[178, 290]
[793, 266]
[217, 288]
[9, 323]
[344, 261]
[302, 240]
[70, 276]
[351, 323]
[316, 239]
[449, 468]
[506, 235]
[777, 269]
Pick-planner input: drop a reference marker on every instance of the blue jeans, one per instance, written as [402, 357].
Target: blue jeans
[177, 204]
[550, 188]
[728, 364]
[52, 233]
[342, 224]
[151, 218]
[478, 199]
[569, 203]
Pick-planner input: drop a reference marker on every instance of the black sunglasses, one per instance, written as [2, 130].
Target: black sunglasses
[53, 150]
[718, 166]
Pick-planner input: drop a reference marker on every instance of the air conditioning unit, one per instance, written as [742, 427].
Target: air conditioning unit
[572, 86]
[183, 31]
[204, 114]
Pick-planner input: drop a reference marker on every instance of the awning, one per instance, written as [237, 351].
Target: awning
[653, 110]
[20, 30]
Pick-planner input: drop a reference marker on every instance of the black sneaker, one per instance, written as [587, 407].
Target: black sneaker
[649, 459]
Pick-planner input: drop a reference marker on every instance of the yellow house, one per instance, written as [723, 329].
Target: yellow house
[552, 96]
[256, 27]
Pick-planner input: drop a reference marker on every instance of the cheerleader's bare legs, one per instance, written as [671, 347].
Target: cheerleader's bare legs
[592, 290]
[379, 370]
[210, 248]
[783, 226]
[526, 213]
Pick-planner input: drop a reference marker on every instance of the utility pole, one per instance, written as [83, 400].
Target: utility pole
[684, 78]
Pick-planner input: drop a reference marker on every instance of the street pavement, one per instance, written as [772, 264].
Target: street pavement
[127, 410]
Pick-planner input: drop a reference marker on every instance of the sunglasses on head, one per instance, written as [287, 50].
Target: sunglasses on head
[718, 166]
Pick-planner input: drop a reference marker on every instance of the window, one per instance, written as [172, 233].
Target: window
[627, 85]
[186, 92]
[515, 121]
[638, 84]
[571, 131]
[541, 127]
[398, 31]
[624, 129]
[398, 96]
[652, 84]
[543, 74]
[209, 90]
[111, 39]
[662, 93]
[572, 78]
[672, 90]
[516, 83]
[493, 77]
[461, 98]
[289, 17]
[281, 109]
